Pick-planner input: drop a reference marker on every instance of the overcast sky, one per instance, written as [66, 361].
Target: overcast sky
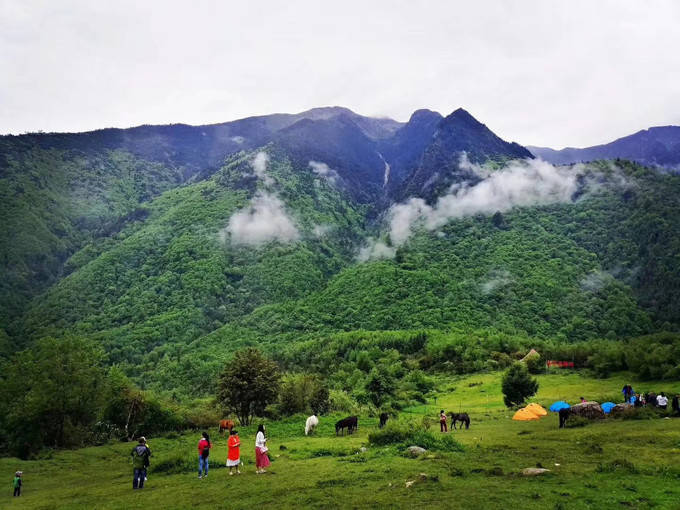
[572, 73]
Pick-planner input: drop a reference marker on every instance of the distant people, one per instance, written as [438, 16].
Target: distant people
[583, 400]
[140, 463]
[16, 483]
[442, 421]
[675, 405]
[234, 452]
[650, 399]
[662, 401]
[626, 392]
[639, 401]
[261, 457]
[146, 466]
[204, 446]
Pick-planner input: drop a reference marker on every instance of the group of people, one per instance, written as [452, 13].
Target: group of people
[650, 399]
[141, 454]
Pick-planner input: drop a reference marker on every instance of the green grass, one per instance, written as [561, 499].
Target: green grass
[608, 464]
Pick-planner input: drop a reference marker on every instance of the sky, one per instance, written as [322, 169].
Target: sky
[574, 73]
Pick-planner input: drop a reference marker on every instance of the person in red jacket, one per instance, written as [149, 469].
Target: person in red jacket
[234, 455]
[204, 446]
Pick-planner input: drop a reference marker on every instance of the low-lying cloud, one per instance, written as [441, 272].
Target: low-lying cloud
[497, 279]
[264, 220]
[259, 164]
[519, 184]
[323, 170]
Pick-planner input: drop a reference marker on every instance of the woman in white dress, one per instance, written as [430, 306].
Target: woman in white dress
[261, 457]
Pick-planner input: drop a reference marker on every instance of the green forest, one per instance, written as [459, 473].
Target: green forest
[123, 264]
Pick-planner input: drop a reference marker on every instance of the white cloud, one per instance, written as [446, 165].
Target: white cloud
[323, 170]
[322, 230]
[375, 249]
[264, 220]
[259, 164]
[520, 183]
[496, 280]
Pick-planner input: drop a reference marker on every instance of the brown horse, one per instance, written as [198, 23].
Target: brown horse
[226, 425]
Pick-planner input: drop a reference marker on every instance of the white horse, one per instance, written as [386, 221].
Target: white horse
[311, 424]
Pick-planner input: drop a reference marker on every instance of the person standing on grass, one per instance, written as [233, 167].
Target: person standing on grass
[675, 405]
[261, 457]
[234, 455]
[204, 446]
[16, 483]
[140, 462]
[662, 401]
[442, 421]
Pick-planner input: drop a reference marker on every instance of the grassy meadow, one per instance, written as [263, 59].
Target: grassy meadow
[606, 464]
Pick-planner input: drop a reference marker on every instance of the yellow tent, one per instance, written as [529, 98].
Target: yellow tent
[524, 415]
[536, 409]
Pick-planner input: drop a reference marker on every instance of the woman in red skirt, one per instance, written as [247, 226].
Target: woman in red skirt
[261, 457]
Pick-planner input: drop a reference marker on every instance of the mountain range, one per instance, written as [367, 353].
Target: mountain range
[654, 147]
[173, 245]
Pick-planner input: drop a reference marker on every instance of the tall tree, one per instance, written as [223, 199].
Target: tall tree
[51, 394]
[248, 384]
[518, 385]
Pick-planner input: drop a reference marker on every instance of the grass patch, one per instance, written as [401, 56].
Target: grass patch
[408, 433]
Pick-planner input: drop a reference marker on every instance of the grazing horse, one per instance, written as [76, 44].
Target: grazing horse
[226, 425]
[310, 424]
[351, 423]
[463, 418]
[383, 419]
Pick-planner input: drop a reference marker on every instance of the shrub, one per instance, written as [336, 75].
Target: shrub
[409, 433]
[518, 385]
[175, 464]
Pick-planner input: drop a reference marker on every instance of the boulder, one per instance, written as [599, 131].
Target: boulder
[534, 471]
[590, 410]
[415, 451]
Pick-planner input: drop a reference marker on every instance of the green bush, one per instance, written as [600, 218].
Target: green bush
[410, 433]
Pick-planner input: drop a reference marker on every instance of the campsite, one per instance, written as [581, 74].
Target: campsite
[605, 464]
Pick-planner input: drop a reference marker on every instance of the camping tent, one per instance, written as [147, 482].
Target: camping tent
[524, 415]
[560, 404]
[607, 407]
[536, 409]
[531, 354]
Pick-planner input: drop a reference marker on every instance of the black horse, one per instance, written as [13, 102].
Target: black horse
[383, 419]
[564, 416]
[463, 418]
[351, 423]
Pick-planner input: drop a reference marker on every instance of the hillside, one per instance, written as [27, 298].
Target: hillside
[170, 255]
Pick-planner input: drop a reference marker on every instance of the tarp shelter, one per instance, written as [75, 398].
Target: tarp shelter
[536, 409]
[608, 406]
[560, 404]
[531, 354]
[524, 415]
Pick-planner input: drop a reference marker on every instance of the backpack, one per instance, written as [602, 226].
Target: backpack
[206, 451]
[139, 457]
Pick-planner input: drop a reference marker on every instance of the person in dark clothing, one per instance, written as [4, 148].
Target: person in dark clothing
[140, 461]
[675, 405]
[16, 483]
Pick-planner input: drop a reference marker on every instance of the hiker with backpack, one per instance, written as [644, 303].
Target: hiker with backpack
[16, 483]
[204, 446]
[140, 462]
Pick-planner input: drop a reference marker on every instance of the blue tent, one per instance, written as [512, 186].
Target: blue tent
[560, 404]
[607, 407]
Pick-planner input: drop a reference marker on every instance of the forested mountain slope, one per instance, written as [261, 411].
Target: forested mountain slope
[171, 248]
